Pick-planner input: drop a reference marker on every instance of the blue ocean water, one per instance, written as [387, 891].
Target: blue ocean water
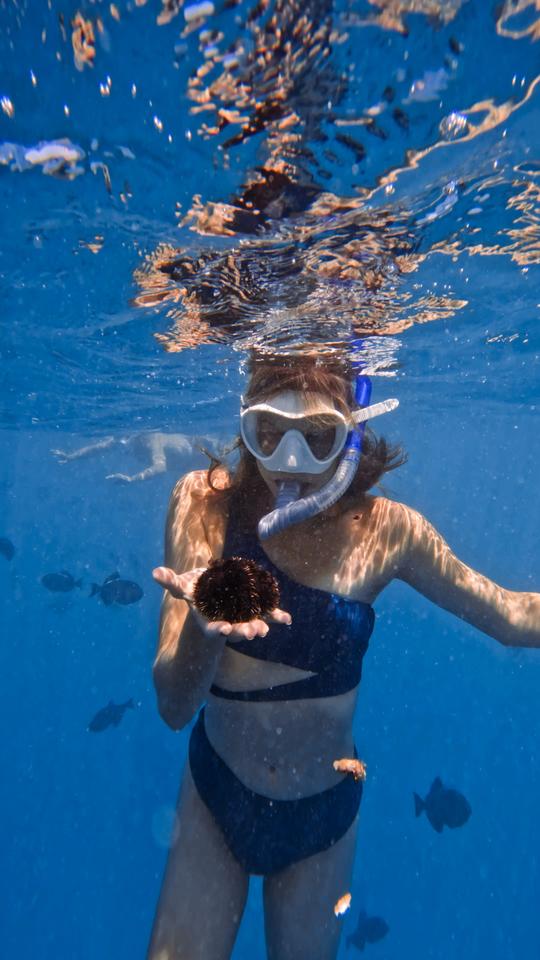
[411, 155]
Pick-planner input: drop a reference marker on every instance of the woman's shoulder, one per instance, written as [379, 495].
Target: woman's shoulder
[381, 514]
[398, 524]
[369, 505]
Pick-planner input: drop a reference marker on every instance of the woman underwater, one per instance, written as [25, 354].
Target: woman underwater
[260, 794]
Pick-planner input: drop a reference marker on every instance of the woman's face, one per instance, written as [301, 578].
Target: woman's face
[295, 437]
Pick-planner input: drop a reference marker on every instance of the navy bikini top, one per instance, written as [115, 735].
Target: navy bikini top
[329, 634]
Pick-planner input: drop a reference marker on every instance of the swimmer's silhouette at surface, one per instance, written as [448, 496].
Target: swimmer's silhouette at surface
[164, 450]
[260, 793]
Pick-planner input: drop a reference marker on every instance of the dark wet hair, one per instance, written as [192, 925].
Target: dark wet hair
[309, 375]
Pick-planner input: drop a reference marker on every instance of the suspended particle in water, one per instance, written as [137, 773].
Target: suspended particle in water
[453, 126]
[62, 26]
[158, 124]
[169, 11]
[95, 167]
[83, 42]
[126, 193]
[104, 37]
[196, 11]
[342, 905]
[180, 50]
[94, 246]
[7, 107]
[455, 45]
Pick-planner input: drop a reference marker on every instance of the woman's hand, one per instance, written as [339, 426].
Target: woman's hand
[181, 586]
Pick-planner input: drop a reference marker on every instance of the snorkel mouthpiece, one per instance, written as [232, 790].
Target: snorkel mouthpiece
[285, 508]
[288, 509]
[288, 492]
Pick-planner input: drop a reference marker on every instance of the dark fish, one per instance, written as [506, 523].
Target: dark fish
[6, 548]
[368, 930]
[61, 582]
[444, 807]
[115, 590]
[109, 716]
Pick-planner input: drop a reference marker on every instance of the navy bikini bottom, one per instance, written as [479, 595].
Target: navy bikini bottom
[267, 835]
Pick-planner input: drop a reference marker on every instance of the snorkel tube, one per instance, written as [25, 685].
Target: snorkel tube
[289, 509]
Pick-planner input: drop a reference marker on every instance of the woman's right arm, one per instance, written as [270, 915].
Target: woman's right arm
[190, 646]
[188, 654]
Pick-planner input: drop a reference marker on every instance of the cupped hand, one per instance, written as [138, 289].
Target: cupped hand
[181, 586]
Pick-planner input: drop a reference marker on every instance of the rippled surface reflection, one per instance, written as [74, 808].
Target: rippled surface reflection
[273, 176]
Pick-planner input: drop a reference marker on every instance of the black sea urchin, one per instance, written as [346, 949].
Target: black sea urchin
[235, 589]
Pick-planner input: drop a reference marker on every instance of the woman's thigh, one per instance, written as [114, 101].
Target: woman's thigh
[299, 903]
[204, 888]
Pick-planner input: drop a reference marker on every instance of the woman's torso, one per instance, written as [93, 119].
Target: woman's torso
[286, 748]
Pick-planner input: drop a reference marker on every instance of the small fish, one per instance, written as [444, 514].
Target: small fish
[6, 548]
[115, 590]
[368, 930]
[109, 716]
[444, 807]
[61, 582]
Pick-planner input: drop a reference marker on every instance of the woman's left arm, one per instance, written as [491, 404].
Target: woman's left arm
[428, 564]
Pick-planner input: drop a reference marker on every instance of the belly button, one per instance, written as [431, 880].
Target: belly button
[272, 769]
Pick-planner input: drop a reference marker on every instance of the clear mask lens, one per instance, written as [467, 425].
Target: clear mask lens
[320, 434]
[285, 439]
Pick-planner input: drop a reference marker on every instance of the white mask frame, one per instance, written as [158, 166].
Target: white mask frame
[293, 454]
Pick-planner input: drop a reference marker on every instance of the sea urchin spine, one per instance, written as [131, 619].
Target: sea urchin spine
[235, 589]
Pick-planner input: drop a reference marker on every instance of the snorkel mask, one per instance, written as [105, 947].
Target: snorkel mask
[289, 438]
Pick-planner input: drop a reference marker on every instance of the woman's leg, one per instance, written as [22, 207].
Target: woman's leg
[204, 889]
[299, 903]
